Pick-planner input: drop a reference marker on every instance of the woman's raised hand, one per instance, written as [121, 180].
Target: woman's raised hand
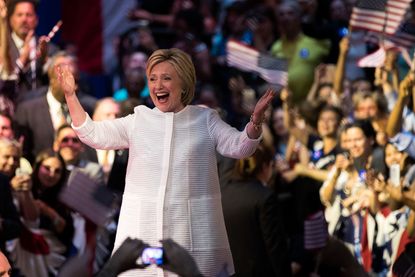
[66, 79]
[263, 103]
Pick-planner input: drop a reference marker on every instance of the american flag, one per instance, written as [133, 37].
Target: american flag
[374, 59]
[271, 69]
[383, 16]
[403, 37]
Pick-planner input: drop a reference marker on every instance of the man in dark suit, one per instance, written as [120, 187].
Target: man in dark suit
[253, 221]
[40, 117]
[113, 162]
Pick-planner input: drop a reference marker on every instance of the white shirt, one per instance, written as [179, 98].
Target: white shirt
[172, 184]
[54, 110]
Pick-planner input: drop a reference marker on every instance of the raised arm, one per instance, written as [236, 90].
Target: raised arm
[340, 66]
[68, 85]
[301, 135]
[254, 128]
[395, 119]
[4, 39]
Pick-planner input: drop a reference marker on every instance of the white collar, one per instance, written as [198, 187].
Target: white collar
[53, 103]
[17, 40]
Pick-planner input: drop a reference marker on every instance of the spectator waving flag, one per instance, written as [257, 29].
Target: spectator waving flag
[271, 69]
[383, 16]
[374, 59]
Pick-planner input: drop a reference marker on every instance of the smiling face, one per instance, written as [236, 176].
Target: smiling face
[165, 87]
[394, 156]
[68, 145]
[50, 171]
[358, 142]
[9, 160]
[327, 124]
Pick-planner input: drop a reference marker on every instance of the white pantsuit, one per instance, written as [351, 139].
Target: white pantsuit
[172, 186]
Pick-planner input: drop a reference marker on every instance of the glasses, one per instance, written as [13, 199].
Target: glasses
[74, 140]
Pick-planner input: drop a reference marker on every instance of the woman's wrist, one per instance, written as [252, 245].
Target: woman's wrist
[257, 124]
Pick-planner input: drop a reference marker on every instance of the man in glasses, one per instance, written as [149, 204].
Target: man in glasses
[71, 149]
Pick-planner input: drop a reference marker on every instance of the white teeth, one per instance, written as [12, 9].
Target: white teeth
[162, 94]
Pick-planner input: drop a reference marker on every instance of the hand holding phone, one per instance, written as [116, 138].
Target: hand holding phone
[152, 255]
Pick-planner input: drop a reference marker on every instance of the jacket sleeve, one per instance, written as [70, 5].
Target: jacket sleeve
[228, 140]
[106, 134]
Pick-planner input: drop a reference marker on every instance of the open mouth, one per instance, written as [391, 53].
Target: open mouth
[162, 97]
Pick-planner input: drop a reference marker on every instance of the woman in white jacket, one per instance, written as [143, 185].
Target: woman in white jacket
[172, 187]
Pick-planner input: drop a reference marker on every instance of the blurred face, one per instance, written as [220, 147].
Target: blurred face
[23, 19]
[393, 156]
[9, 160]
[6, 130]
[278, 123]
[288, 19]
[137, 60]
[361, 85]
[135, 81]
[50, 171]
[359, 144]
[344, 141]
[366, 109]
[338, 10]
[308, 6]
[68, 145]
[5, 268]
[327, 124]
[107, 110]
[325, 92]
[54, 83]
[165, 88]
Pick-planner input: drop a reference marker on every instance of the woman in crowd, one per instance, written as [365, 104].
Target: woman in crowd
[172, 187]
[395, 220]
[49, 177]
[47, 234]
[345, 193]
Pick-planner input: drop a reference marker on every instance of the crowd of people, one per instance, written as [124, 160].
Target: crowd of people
[230, 174]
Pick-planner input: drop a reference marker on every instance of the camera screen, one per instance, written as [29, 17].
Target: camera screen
[152, 255]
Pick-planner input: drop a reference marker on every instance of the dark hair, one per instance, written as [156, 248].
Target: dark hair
[249, 167]
[50, 195]
[336, 110]
[11, 5]
[60, 128]
[11, 119]
[366, 126]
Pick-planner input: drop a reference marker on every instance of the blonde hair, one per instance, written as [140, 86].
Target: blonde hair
[183, 65]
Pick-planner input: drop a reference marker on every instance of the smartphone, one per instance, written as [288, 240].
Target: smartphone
[395, 175]
[152, 255]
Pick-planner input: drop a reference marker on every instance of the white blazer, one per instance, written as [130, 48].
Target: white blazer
[172, 186]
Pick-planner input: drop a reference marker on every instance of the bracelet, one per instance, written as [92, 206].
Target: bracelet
[257, 125]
